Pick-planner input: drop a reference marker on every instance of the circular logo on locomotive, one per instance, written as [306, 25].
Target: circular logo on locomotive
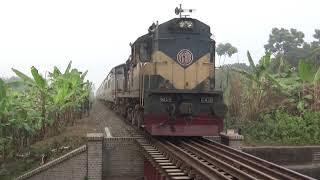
[185, 57]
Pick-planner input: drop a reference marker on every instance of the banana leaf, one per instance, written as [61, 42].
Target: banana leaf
[24, 77]
[68, 68]
[3, 92]
[305, 71]
[40, 81]
[252, 65]
[247, 75]
[316, 77]
[84, 75]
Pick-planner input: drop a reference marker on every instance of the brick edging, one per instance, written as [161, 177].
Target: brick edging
[53, 162]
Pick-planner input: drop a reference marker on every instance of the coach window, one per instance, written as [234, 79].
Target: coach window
[105, 86]
[109, 79]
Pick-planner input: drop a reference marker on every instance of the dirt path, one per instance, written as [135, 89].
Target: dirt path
[103, 119]
[100, 119]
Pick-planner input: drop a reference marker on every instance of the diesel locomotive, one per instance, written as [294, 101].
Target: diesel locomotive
[167, 85]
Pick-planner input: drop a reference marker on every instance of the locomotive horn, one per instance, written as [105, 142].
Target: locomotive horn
[177, 11]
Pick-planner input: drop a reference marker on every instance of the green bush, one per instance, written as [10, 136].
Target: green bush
[280, 127]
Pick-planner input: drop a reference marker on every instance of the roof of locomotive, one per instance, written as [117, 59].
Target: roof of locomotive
[172, 27]
[120, 65]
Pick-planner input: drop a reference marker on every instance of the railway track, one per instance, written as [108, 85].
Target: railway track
[199, 158]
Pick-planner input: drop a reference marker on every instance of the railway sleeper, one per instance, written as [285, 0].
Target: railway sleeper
[195, 168]
[164, 166]
[214, 162]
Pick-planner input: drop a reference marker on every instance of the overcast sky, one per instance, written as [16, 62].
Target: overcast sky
[95, 35]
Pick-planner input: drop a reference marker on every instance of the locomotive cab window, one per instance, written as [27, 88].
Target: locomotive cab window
[134, 55]
[145, 52]
[119, 71]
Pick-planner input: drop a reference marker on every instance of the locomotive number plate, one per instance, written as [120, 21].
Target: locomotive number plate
[165, 99]
[206, 99]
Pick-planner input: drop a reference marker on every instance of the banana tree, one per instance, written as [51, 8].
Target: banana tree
[260, 87]
[68, 92]
[310, 79]
[40, 85]
[259, 73]
[3, 117]
[17, 118]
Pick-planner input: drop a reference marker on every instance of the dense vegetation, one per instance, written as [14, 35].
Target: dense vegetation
[277, 101]
[34, 108]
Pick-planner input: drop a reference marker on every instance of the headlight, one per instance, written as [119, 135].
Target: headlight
[220, 109]
[184, 24]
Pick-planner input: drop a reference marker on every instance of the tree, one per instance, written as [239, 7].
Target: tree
[316, 44]
[39, 84]
[286, 46]
[225, 50]
[281, 41]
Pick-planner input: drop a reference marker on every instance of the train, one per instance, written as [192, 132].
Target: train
[167, 85]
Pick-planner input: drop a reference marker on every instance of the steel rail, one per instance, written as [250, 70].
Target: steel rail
[193, 166]
[242, 168]
[200, 166]
[237, 158]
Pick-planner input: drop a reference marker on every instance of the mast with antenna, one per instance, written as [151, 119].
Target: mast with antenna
[179, 11]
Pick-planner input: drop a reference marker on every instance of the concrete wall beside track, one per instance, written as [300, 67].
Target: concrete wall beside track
[122, 158]
[111, 158]
[303, 159]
